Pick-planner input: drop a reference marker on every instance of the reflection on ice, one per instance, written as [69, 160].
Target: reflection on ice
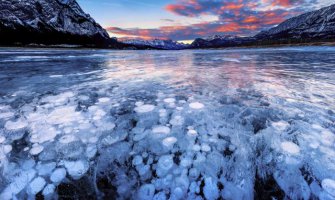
[228, 124]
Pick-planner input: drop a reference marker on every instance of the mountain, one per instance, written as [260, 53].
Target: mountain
[316, 26]
[156, 44]
[221, 41]
[50, 22]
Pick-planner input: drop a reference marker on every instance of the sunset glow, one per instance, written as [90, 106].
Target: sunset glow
[190, 19]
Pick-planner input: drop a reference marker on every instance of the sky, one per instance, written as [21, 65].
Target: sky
[185, 20]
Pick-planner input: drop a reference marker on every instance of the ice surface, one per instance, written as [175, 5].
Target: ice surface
[262, 127]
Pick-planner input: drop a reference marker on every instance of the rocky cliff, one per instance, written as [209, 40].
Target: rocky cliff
[49, 22]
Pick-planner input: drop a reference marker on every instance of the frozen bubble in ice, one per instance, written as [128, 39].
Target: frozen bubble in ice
[63, 115]
[290, 147]
[37, 149]
[205, 148]
[6, 115]
[2, 139]
[18, 184]
[76, 169]
[186, 162]
[165, 163]
[194, 173]
[280, 125]
[192, 133]
[329, 186]
[177, 193]
[169, 142]
[211, 190]
[42, 134]
[49, 189]
[6, 148]
[36, 185]
[45, 169]
[196, 105]
[139, 103]
[15, 125]
[58, 175]
[66, 139]
[91, 151]
[145, 108]
[177, 121]
[161, 130]
[169, 100]
[196, 147]
[104, 100]
[137, 160]
[28, 164]
[146, 192]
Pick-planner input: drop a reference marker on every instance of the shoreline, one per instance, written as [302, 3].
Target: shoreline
[79, 47]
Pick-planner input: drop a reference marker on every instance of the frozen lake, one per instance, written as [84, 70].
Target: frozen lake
[202, 124]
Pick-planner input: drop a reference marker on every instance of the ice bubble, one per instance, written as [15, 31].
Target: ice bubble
[2, 139]
[36, 185]
[280, 125]
[290, 148]
[146, 192]
[196, 147]
[165, 163]
[37, 149]
[177, 121]
[192, 133]
[177, 193]
[329, 186]
[28, 164]
[169, 142]
[161, 130]
[48, 190]
[211, 190]
[169, 100]
[63, 115]
[17, 125]
[186, 162]
[205, 148]
[91, 151]
[6, 148]
[196, 105]
[45, 169]
[76, 169]
[145, 108]
[42, 134]
[18, 184]
[139, 103]
[67, 139]
[104, 100]
[6, 115]
[58, 175]
[137, 160]
[194, 174]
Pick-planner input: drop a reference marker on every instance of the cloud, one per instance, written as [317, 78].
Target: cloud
[238, 17]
